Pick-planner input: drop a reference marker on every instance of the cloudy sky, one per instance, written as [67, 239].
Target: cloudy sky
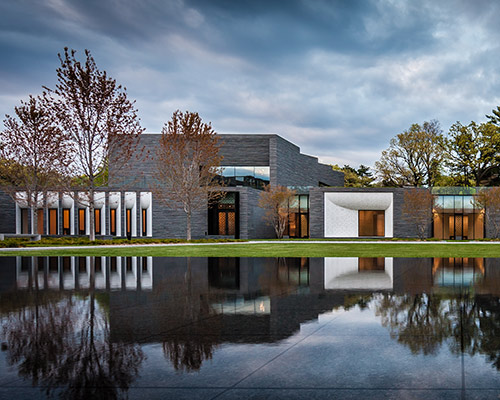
[338, 78]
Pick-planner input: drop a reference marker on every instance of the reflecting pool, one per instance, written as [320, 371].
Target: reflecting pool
[226, 328]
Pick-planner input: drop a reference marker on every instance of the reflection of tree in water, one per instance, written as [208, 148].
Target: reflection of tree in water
[64, 343]
[469, 324]
[190, 346]
[199, 333]
[489, 324]
[421, 322]
[36, 334]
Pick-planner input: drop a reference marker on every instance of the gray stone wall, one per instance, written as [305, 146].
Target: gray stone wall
[245, 150]
[257, 226]
[287, 167]
[404, 228]
[139, 170]
[488, 219]
[316, 213]
[237, 150]
[291, 168]
[172, 223]
[7, 213]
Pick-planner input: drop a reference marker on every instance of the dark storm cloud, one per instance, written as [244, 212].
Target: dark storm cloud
[339, 78]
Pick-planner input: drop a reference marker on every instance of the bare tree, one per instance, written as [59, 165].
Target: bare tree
[417, 209]
[275, 200]
[489, 199]
[101, 121]
[35, 155]
[187, 161]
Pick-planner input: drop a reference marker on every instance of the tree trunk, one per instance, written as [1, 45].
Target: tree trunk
[188, 225]
[91, 216]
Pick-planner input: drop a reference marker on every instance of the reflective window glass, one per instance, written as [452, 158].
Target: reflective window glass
[438, 202]
[228, 171]
[448, 203]
[468, 202]
[304, 203]
[251, 176]
[243, 171]
[262, 173]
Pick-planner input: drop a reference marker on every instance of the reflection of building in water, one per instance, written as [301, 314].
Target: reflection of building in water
[69, 273]
[457, 272]
[363, 273]
[248, 299]
[272, 276]
[427, 275]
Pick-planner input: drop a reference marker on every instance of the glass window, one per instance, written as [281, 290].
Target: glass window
[97, 221]
[40, 221]
[144, 222]
[371, 223]
[458, 218]
[228, 171]
[293, 204]
[438, 202]
[66, 221]
[81, 221]
[262, 173]
[448, 203]
[304, 225]
[244, 171]
[24, 220]
[298, 221]
[253, 176]
[112, 221]
[227, 201]
[459, 203]
[223, 215]
[304, 203]
[468, 203]
[128, 222]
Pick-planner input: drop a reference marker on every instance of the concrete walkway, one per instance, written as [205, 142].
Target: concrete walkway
[10, 249]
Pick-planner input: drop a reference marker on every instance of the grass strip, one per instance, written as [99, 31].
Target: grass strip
[277, 249]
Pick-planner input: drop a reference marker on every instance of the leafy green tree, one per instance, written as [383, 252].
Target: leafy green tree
[414, 157]
[471, 152]
[495, 117]
[361, 177]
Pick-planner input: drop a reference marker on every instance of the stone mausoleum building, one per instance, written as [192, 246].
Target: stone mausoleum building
[322, 208]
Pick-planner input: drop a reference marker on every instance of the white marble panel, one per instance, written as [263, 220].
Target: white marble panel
[341, 211]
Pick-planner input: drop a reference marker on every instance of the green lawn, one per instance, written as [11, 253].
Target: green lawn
[278, 249]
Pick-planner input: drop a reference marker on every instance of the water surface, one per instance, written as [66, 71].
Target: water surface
[143, 327]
